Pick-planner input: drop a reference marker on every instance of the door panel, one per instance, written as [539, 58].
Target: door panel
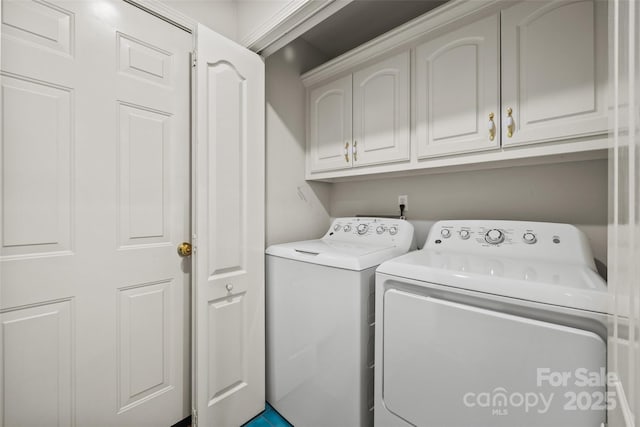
[144, 175]
[144, 339]
[36, 167]
[381, 112]
[227, 100]
[330, 125]
[228, 332]
[96, 161]
[553, 74]
[452, 108]
[37, 343]
[39, 23]
[227, 361]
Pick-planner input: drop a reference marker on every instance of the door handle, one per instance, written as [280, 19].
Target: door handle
[492, 127]
[185, 249]
[510, 122]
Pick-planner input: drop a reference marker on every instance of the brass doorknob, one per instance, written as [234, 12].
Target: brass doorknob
[184, 249]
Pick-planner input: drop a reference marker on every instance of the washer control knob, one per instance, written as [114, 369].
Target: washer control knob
[362, 228]
[346, 228]
[464, 234]
[393, 230]
[336, 227]
[445, 232]
[380, 229]
[494, 236]
[529, 238]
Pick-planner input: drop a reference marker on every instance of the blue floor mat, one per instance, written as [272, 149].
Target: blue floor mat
[269, 418]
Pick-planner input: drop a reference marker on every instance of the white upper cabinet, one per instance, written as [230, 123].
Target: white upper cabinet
[362, 118]
[457, 91]
[476, 82]
[381, 112]
[329, 126]
[554, 70]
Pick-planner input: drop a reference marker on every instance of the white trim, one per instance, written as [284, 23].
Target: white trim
[282, 21]
[560, 152]
[270, 24]
[624, 405]
[284, 35]
[400, 37]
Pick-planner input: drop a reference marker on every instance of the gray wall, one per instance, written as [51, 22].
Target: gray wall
[296, 209]
[219, 15]
[574, 193]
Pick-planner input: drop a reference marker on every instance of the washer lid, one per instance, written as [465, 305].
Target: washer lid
[562, 284]
[339, 254]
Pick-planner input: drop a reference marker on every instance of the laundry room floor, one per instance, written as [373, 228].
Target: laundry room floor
[269, 418]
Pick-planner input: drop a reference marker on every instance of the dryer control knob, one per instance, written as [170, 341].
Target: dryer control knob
[494, 236]
[346, 228]
[362, 228]
[464, 234]
[380, 229]
[529, 238]
[336, 227]
[393, 230]
[446, 233]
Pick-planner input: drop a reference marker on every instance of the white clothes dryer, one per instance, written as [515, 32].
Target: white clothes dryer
[492, 323]
[320, 321]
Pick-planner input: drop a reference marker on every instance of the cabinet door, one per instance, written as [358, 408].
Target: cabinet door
[554, 70]
[381, 112]
[457, 88]
[330, 126]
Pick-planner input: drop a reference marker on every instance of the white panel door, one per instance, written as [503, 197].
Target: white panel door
[329, 145]
[457, 91]
[554, 70]
[381, 112]
[228, 333]
[94, 302]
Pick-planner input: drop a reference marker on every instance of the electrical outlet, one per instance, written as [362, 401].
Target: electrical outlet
[404, 200]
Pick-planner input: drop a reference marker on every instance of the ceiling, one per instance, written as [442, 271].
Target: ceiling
[361, 21]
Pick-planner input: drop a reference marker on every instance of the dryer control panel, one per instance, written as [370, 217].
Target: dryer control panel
[542, 240]
[372, 231]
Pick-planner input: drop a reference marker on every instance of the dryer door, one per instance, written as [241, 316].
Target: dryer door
[449, 364]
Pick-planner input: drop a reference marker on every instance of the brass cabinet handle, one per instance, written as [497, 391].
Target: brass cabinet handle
[355, 151]
[510, 123]
[184, 249]
[492, 127]
[346, 151]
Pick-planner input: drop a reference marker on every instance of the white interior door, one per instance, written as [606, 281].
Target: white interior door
[94, 302]
[228, 330]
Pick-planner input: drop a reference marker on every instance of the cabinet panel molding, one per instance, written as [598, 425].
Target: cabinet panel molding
[457, 88]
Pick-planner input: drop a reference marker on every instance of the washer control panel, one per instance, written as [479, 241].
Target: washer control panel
[383, 231]
[560, 242]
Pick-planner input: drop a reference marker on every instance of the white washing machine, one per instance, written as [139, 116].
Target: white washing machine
[492, 323]
[320, 321]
